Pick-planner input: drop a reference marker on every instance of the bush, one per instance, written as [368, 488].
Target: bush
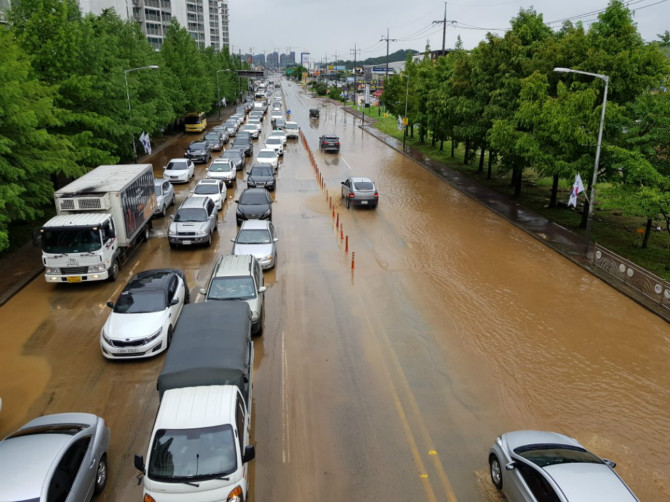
[321, 89]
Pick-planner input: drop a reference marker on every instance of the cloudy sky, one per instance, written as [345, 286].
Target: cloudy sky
[329, 28]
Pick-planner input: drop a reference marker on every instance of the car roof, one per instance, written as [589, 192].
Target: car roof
[194, 202]
[585, 482]
[208, 181]
[25, 462]
[149, 279]
[234, 265]
[255, 225]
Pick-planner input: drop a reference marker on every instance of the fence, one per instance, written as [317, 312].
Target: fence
[651, 286]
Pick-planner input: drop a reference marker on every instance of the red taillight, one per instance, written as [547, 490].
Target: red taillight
[337, 144]
[351, 195]
[376, 195]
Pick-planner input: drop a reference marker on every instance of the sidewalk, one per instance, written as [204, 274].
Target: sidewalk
[19, 268]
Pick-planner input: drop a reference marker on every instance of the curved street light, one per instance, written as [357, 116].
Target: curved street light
[589, 218]
[125, 76]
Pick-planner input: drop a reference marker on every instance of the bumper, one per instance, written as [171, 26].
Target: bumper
[177, 179]
[364, 202]
[187, 240]
[59, 278]
[139, 352]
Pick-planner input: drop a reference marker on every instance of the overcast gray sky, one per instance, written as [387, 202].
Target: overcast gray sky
[326, 28]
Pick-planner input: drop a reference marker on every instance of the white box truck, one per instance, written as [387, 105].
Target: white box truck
[200, 444]
[100, 218]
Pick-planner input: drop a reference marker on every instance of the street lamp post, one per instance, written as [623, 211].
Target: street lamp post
[589, 218]
[404, 136]
[125, 76]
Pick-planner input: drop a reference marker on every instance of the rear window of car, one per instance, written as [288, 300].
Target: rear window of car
[207, 189]
[176, 166]
[363, 185]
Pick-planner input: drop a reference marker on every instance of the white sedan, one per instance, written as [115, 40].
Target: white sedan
[268, 156]
[213, 188]
[144, 315]
[276, 144]
[179, 170]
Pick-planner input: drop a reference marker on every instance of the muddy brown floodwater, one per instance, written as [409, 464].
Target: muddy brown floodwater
[387, 376]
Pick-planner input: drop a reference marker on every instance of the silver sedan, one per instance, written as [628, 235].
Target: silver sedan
[530, 466]
[55, 457]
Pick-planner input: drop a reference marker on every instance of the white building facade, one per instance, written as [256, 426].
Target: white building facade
[205, 20]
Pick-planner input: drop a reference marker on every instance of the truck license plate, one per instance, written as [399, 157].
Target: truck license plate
[74, 278]
[186, 243]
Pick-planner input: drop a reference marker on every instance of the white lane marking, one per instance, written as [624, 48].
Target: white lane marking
[286, 452]
[347, 163]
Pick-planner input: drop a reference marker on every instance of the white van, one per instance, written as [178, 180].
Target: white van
[199, 449]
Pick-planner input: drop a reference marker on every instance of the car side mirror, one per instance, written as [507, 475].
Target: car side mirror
[202, 291]
[511, 466]
[262, 289]
[275, 239]
[139, 463]
[611, 463]
[249, 454]
[110, 305]
[174, 301]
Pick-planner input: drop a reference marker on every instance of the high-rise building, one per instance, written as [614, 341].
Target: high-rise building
[205, 20]
[272, 60]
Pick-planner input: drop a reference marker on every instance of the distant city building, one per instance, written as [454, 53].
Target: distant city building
[272, 60]
[205, 20]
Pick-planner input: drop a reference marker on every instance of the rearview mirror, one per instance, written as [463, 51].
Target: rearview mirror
[139, 463]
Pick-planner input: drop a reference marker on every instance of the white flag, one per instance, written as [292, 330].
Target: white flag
[399, 123]
[577, 188]
[146, 142]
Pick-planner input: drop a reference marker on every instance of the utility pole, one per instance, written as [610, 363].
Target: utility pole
[387, 40]
[337, 79]
[355, 52]
[444, 29]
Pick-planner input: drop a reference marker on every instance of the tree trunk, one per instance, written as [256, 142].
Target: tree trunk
[553, 197]
[647, 234]
[490, 168]
[467, 152]
[481, 160]
[453, 147]
[517, 174]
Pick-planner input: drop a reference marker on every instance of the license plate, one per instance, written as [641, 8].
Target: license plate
[186, 243]
[74, 278]
[364, 202]
[127, 351]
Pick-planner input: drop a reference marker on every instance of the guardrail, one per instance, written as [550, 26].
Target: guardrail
[643, 281]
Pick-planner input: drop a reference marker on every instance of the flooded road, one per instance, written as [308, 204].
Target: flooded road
[387, 376]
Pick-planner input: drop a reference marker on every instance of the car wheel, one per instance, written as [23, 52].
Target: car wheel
[495, 471]
[347, 202]
[172, 245]
[172, 201]
[169, 336]
[187, 297]
[163, 211]
[146, 231]
[209, 240]
[114, 271]
[101, 474]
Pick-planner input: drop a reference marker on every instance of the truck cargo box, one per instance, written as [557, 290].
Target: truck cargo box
[211, 345]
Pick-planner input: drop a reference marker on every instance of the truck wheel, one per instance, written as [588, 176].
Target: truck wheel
[146, 231]
[114, 271]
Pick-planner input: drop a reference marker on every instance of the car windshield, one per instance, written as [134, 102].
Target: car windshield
[261, 171]
[207, 189]
[273, 141]
[363, 185]
[190, 214]
[231, 154]
[544, 455]
[71, 240]
[140, 302]
[221, 167]
[213, 136]
[254, 236]
[192, 454]
[176, 166]
[197, 146]
[253, 199]
[232, 288]
[192, 119]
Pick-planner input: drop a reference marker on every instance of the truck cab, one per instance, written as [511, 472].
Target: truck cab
[200, 448]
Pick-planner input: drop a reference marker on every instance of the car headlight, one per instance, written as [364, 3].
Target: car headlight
[52, 270]
[172, 230]
[97, 268]
[267, 258]
[153, 336]
[105, 337]
[266, 213]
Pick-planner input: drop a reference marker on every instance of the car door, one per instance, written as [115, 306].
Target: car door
[211, 214]
[73, 480]
[175, 292]
[167, 196]
[346, 188]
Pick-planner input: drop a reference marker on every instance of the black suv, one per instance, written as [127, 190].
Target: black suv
[199, 151]
[261, 176]
[329, 143]
[254, 204]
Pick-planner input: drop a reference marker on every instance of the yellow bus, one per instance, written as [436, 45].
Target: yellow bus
[195, 122]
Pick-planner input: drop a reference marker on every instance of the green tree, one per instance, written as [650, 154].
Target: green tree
[30, 157]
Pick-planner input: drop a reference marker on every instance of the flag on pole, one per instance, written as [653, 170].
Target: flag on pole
[577, 188]
[399, 123]
[146, 142]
